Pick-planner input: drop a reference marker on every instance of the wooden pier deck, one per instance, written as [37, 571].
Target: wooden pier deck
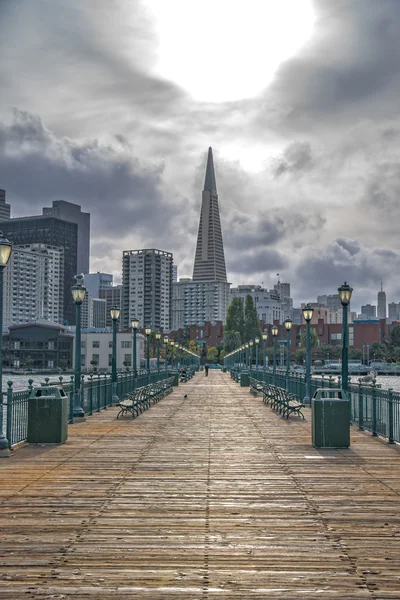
[213, 496]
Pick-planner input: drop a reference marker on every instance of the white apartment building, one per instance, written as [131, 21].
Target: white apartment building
[196, 302]
[147, 288]
[268, 303]
[34, 284]
[96, 345]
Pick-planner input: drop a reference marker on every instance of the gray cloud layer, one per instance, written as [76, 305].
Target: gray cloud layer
[94, 126]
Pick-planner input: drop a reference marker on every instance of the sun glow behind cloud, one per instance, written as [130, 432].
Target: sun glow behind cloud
[226, 50]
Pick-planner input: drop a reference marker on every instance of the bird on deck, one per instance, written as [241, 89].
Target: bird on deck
[185, 396]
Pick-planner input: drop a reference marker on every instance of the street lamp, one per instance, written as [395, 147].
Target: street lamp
[257, 341]
[247, 355]
[78, 295]
[345, 292]
[166, 348]
[307, 315]
[172, 344]
[5, 253]
[147, 331]
[114, 312]
[264, 337]
[288, 327]
[158, 338]
[135, 325]
[177, 355]
[251, 343]
[274, 331]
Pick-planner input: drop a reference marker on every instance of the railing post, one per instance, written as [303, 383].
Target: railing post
[360, 408]
[390, 417]
[82, 392]
[71, 400]
[90, 393]
[10, 407]
[373, 385]
[98, 391]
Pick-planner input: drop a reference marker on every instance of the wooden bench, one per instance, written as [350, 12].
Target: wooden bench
[279, 399]
[143, 397]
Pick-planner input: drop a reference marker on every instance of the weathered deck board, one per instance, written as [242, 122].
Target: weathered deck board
[213, 496]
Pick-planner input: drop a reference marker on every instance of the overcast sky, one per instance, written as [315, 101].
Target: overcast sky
[112, 104]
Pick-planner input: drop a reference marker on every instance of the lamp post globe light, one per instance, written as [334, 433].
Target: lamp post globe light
[177, 354]
[307, 315]
[251, 343]
[78, 295]
[147, 332]
[5, 253]
[158, 338]
[257, 341]
[264, 337]
[345, 292]
[288, 327]
[172, 344]
[114, 313]
[135, 325]
[274, 331]
[165, 349]
[247, 355]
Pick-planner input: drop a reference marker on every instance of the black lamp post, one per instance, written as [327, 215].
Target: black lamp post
[307, 314]
[158, 338]
[288, 327]
[177, 354]
[172, 344]
[274, 331]
[148, 332]
[78, 294]
[251, 343]
[247, 355]
[166, 351]
[114, 312]
[135, 325]
[5, 253]
[345, 292]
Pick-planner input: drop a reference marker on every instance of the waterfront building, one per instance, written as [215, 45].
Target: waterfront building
[147, 288]
[5, 209]
[40, 344]
[54, 232]
[381, 312]
[197, 302]
[96, 349]
[67, 211]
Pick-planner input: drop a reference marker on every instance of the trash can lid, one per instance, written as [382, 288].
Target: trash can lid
[48, 392]
[330, 394]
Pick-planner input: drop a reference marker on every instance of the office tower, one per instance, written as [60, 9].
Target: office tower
[93, 313]
[174, 273]
[147, 288]
[381, 313]
[67, 211]
[283, 291]
[50, 231]
[113, 297]
[332, 301]
[209, 263]
[197, 302]
[95, 282]
[394, 311]
[5, 209]
[33, 284]
[368, 310]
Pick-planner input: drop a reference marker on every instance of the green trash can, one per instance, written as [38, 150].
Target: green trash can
[244, 379]
[47, 416]
[330, 418]
[224, 369]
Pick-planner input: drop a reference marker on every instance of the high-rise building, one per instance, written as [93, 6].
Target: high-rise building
[93, 313]
[147, 288]
[332, 301]
[55, 232]
[67, 211]
[5, 209]
[381, 312]
[174, 273]
[209, 263]
[33, 284]
[394, 311]
[113, 297]
[94, 282]
[195, 303]
[283, 291]
[368, 310]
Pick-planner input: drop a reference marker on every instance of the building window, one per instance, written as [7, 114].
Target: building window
[336, 337]
[110, 360]
[110, 344]
[82, 360]
[127, 360]
[126, 344]
[95, 359]
[95, 344]
[351, 336]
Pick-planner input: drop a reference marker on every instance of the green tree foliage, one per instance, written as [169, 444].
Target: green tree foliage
[251, 322]
[378, 351]
[212, 354]
[355, 354]
[394, 339]
[232, 340]
[235, 318]
[314, 338]
[300, 356]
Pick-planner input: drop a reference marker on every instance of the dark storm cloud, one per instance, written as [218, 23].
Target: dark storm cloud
[296, 158]
[255, 263]
[121, 193]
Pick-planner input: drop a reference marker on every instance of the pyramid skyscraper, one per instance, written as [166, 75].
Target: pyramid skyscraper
[209, 263]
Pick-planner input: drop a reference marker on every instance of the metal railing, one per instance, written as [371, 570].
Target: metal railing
[96, 395]
[372, 408]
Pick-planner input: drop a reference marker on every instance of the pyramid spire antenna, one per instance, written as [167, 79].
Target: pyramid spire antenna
[209, 182]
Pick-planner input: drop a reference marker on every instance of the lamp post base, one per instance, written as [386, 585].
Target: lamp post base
[114, 397]
[78, 414]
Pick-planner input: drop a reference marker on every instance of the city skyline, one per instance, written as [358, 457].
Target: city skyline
[306, 156]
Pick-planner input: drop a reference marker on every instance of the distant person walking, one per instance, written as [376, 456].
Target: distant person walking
[206, 367]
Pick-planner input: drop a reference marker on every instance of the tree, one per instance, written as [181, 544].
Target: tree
[394, 338]
[235, 318]
[251, 322]
[212, 354]
[378, 351]
[193, 347]
[300, 355]
[314, 338]
[222, 355]
[232, 340]
[355, 354]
